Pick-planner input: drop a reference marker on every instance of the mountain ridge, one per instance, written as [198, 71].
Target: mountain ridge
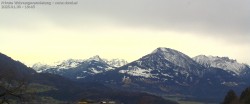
[78, 68]
[64, 89]
[160, 72]
[224, 63]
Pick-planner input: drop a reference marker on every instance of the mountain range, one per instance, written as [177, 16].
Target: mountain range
[77, 69]
[230, 65]
[164, 71]
[46, 88]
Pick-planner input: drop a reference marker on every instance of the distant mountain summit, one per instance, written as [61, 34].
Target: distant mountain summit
[76, 68]
[164, 63]
[166, 60]
[177, 58]
[95, 58]
[224, 63]
[116, 62]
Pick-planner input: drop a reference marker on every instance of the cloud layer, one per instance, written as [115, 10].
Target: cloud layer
[226, 18]
[128, 28]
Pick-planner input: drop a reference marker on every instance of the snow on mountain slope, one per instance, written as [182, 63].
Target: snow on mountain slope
[164, 64]
[167, 70]
[95, 58]
[40, 67]
[168, 65]
[222, 63]
[60, 65]
[116, 62]
[176, 57]
[176, 61]
[70, 63]
[137, 71]
[73, 63]
[77, 69]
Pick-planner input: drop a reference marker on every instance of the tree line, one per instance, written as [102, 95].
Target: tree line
[232, 98]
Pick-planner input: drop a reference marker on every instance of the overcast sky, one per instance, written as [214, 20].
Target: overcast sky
[127, 29]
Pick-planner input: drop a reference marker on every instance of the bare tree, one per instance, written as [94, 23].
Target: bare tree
[12, 90]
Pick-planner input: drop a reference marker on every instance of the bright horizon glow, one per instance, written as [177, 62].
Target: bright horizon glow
[52, 34]
[107, 42]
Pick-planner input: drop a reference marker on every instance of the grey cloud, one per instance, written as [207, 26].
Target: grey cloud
[224, 17]
[228, 19]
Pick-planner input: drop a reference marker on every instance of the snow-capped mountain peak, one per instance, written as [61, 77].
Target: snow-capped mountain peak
[175, 57]
[39, 67]
[95, 58]
[116, 62]
[222, 63]
[164, 63]
[83, 68]
[60, 65]
[162, 49]
[70, 63]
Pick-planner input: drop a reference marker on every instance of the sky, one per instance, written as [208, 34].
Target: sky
[126, 29]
